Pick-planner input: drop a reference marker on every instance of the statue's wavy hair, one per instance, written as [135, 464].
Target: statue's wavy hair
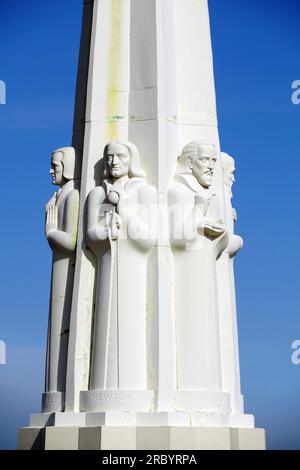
[190, 152]
[135, 169]
[226, 161]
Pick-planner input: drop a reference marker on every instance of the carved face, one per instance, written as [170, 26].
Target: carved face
[202, 165]
[56, 171]
[228, 174]
[118, 160]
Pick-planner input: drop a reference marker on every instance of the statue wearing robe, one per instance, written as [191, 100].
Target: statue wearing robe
[198, 237]
[121, 231]
[61, 232]
[227, 297]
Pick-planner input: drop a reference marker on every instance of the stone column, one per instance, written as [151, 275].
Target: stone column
[146, 78]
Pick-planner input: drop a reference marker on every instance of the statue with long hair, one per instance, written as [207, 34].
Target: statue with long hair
[121, 230]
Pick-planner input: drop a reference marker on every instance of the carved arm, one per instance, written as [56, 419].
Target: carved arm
[63, 240]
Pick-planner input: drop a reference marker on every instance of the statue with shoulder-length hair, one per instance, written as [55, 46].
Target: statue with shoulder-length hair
[121, 230]
[227, 297]
[61, 232]
[198, 237]
[228, 170]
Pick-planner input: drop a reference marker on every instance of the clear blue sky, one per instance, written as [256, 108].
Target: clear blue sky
[256, 53]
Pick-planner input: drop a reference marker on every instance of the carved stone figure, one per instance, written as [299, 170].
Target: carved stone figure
[121, 230]
[227, 298]
[198, 237]
[61, 232]
[151, 328]
[228, 168]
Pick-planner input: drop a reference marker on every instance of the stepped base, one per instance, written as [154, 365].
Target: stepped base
[141, 438]
[131, 418]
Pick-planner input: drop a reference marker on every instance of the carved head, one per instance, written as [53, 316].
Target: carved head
[63, 163]
[228, 168]
[198, 159]
[122, 159]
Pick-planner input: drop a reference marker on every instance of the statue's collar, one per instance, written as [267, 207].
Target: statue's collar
[193, 184]
[121, 184]
[117, 186]
[69, 184]
[66, 187]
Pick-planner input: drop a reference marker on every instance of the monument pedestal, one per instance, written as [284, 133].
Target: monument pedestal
[141, 438]
[143, 355]
[140, 418]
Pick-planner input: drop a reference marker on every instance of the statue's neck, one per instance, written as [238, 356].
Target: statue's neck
[121, 180]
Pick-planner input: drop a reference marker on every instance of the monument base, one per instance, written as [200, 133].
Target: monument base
[194, 419]
[141, 438]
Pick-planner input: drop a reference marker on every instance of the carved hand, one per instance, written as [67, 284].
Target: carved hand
[115, 226]
[214, 229]
[51, 219]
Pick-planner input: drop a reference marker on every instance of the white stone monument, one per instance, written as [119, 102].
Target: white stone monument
[143, 346]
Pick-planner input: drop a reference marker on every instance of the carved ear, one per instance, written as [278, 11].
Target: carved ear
[190, 163]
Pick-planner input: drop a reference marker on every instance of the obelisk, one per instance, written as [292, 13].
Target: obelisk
[146, 94]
